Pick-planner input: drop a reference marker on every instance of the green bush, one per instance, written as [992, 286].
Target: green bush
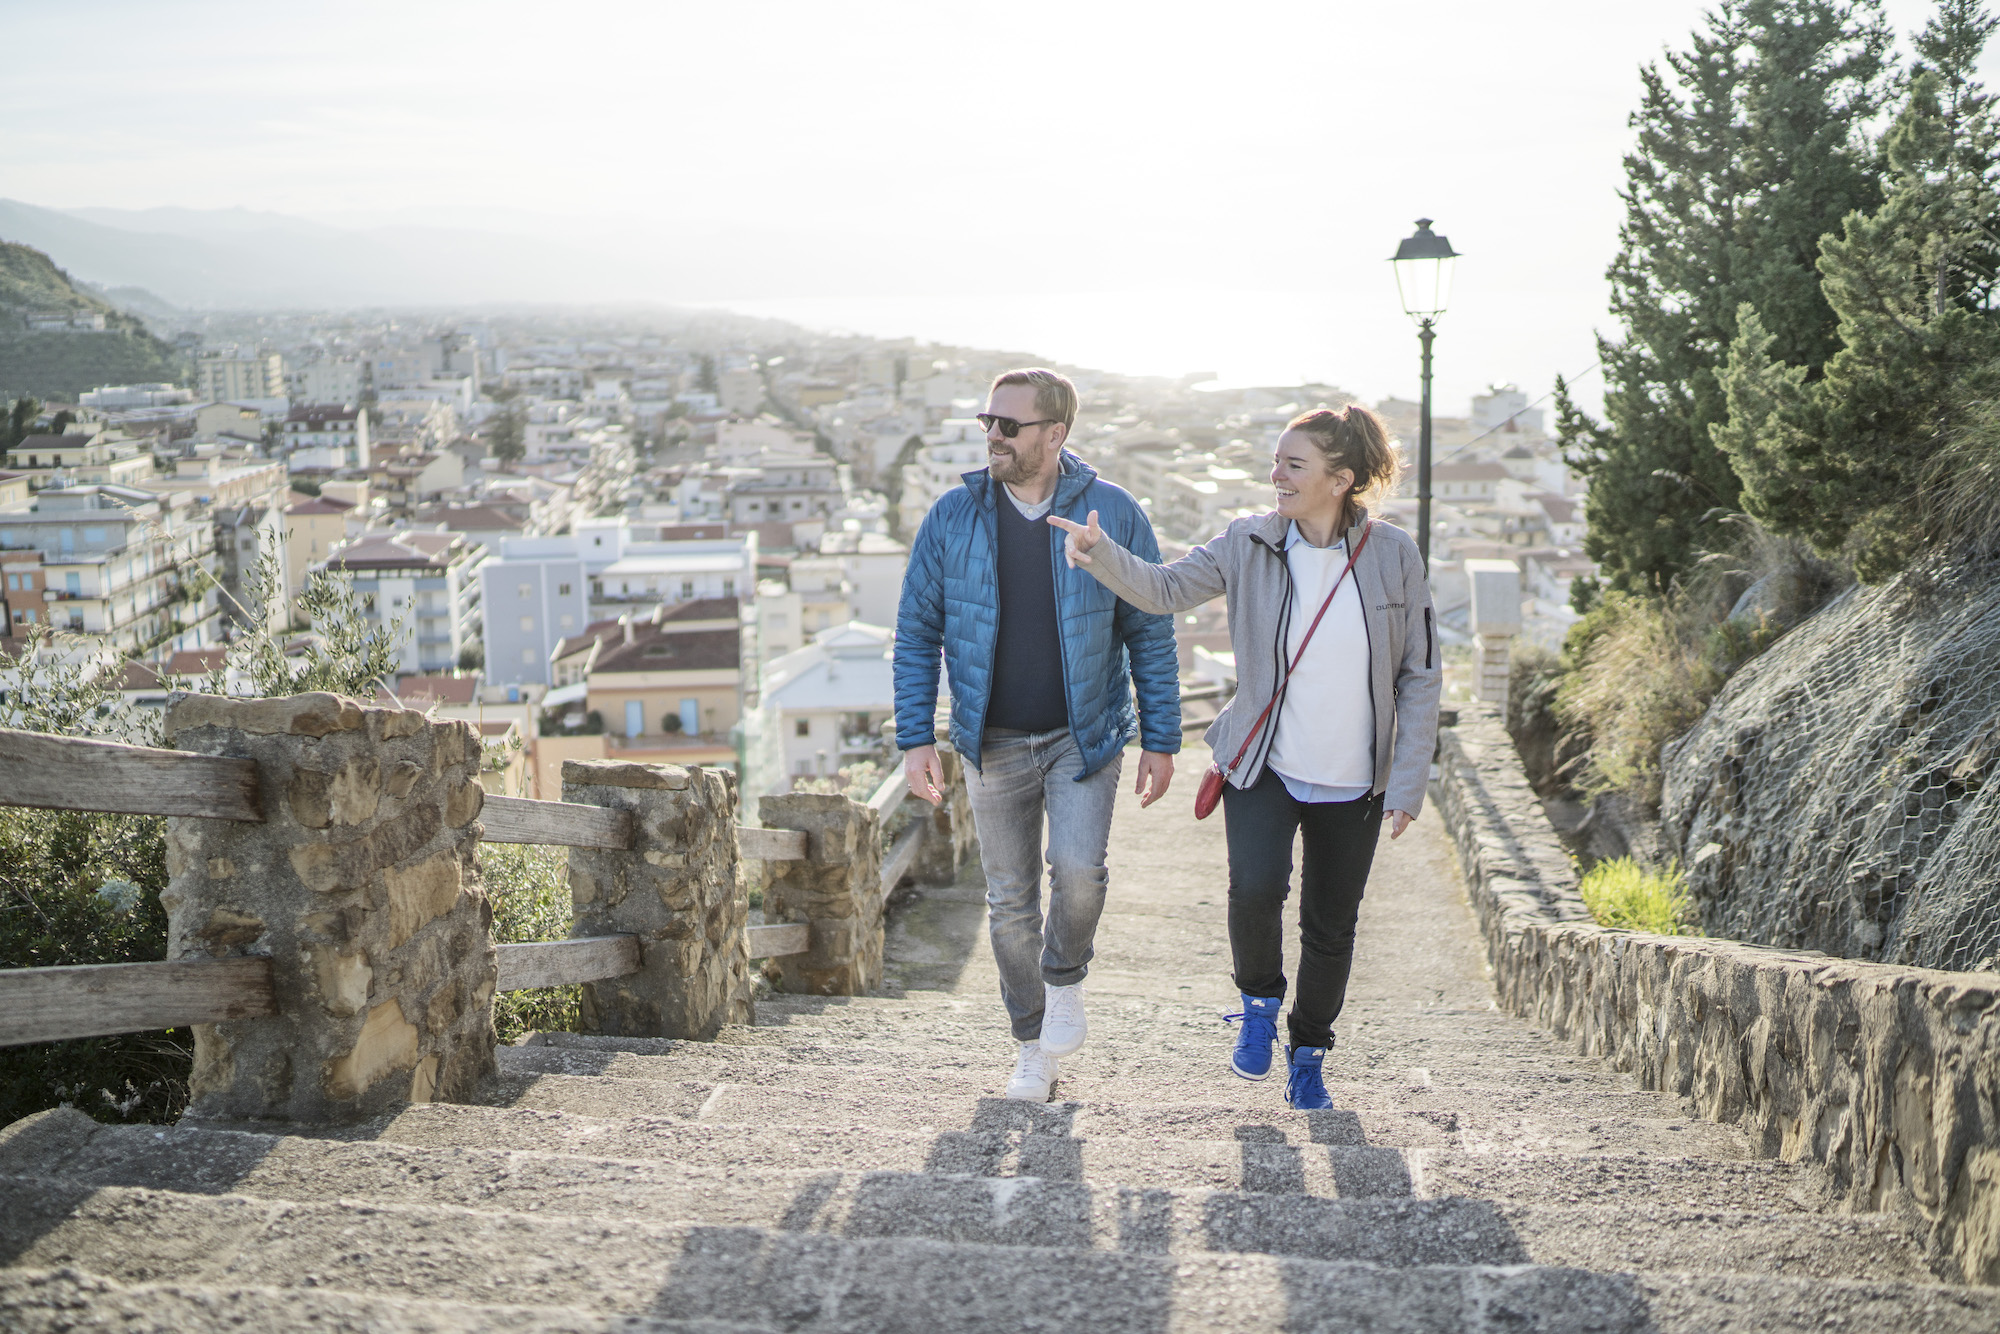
[1622, 893]
[84, 889]
[529, 887]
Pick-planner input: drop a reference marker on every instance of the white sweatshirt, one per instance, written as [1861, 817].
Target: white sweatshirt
[1323, 744]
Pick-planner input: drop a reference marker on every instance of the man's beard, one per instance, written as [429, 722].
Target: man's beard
[1013, 467]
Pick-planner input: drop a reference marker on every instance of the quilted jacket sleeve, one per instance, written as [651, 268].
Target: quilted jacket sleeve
[920, 638]
[1149, 641]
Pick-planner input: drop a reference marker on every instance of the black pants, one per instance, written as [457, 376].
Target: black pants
[1339, 848]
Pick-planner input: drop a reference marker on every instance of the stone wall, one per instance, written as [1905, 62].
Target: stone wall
[677, 889]
[836, 888]
[362, 886]
[1887, 1078]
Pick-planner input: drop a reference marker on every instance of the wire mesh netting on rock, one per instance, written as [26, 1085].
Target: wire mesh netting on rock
[1837, 795]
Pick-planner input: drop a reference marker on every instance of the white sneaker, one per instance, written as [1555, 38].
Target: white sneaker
[1063, 1024]
[1034, 1074]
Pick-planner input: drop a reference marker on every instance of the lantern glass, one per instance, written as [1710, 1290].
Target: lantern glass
[1423, 265]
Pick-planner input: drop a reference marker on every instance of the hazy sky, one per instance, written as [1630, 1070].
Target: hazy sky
[1158, 187]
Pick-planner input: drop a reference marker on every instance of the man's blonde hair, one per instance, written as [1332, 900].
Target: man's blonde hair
[1055, 396]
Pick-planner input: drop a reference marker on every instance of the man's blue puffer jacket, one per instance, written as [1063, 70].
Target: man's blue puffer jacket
[950, 607]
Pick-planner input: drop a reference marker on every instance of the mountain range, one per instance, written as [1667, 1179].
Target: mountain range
[203, 259]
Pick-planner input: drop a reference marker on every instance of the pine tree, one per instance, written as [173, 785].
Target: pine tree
[1841, 460]
[1749, 149]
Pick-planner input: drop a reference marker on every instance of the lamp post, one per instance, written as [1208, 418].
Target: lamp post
[1423, 280]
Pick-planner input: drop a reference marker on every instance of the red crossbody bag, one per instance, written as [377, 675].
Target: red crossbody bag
[1212, 781]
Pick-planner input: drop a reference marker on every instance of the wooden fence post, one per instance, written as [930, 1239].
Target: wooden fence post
[361, 885]
[676, 889]
[836, 889]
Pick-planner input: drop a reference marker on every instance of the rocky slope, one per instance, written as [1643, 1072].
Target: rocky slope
[1838, 794]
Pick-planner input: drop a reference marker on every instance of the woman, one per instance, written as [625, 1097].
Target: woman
[1349, 730]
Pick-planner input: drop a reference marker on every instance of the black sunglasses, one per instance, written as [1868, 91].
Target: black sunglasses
[1009, 428]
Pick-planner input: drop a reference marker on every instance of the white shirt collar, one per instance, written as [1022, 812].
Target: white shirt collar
[1293, 537]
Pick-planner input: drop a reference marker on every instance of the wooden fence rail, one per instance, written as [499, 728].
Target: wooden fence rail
[93, 1000]
[559, 823]
[67, 773]
[77, 774]
[561, 963]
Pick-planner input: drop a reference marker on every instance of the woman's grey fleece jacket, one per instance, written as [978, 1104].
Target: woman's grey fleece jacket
[1247, 562]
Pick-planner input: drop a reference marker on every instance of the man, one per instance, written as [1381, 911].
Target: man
[1041, 702]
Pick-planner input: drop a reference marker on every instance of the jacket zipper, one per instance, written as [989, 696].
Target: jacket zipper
[1427, 639]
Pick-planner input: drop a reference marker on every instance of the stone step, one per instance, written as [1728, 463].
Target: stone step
[904, 1148]
[987, 1024]
[1206, 1049]
[1275, 1215]
[1757, 1184]
[1083, 1076]
[1328, 1202]
[67, 1301]
[707, 1063]
[816, 1281]
[857, 1097]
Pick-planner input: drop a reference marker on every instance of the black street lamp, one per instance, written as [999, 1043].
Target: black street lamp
[1423, 279]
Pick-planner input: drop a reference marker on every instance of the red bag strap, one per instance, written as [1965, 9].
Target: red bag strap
[1299, 657]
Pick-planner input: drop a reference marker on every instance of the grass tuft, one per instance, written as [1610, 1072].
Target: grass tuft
[1621, 893]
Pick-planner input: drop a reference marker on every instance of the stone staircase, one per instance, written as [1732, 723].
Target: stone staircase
[846, 1165]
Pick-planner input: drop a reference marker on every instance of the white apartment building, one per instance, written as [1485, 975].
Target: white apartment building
[430, 580]
[1196, 504]
[330, 380]
[225, 377]
[957, 447]
[823, 706]
[333, 434]
[133, 567]
[541, 589]
[871, 566]
[125, 397]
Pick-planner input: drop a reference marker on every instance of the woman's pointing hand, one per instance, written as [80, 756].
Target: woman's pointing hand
[1076, 549]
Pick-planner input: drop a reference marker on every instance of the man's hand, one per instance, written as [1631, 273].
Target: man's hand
[924, 772]
[1076, 550]
[1398, 822]
[1155, 769]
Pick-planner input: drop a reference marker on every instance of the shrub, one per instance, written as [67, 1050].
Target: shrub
[79, 888]
[529, 888]
[1621, 893]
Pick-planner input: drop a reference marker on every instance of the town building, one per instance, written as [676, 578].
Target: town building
[223, 377]
[821, 708]
[326, 435]
[130, 566]
[427, 581]
[85, 454]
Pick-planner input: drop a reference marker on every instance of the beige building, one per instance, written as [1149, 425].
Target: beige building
[230, 376]
[674, 677]
[87, 454]
[314, 526]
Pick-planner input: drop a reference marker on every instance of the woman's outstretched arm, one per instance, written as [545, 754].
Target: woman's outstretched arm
[1188, 582]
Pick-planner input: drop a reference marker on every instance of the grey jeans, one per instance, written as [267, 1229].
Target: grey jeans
[1023, 776]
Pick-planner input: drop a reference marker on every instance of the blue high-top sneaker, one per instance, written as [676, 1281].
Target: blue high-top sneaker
[1259, 1034]
[1305, 1091]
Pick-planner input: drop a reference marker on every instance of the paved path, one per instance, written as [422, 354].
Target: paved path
[845, 1166]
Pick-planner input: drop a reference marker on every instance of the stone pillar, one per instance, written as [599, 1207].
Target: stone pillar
[361, 885]
[949, 842]
[676, 889]
[836, 888]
